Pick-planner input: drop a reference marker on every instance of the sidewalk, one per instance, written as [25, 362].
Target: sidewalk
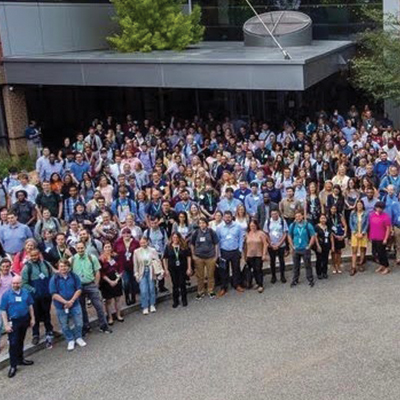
[31, 349]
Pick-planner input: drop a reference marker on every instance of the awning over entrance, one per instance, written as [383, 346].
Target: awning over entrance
[210, 65]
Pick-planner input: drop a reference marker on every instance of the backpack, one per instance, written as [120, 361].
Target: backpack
[49, 270]
[291, 230]
[282, 224]
[91, 263]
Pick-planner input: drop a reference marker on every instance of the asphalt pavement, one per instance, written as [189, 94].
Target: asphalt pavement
[338, 340]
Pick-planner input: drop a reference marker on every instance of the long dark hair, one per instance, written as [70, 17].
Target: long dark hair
[182, 242]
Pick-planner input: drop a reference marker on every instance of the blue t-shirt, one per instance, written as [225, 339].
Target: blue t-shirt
[16, 305]
[301, 234]
[65, 287]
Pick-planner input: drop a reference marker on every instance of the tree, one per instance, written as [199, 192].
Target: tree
[147, 25]
[376, 68]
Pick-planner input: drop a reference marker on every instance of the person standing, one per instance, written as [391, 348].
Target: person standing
[13, 235]
[36, 275]
[147, 268]
[177, 262]
[124, 247]
[324, 243]
[338, 225]
[87, 267]
[276, 229]
[230, 237]
[255, 252]
[66, 288]
[379, 231]
[111, 283]
[204, 244]
[5, 284]
[358, 222]
[17, 313]
[301, 239]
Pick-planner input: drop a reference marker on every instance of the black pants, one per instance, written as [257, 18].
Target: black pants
[232, 260]
[306, 256]
[379, 249]
[16, 340]
[321, 266]
[255, 267]
[178, 278]
[280, 253]
[41, 307]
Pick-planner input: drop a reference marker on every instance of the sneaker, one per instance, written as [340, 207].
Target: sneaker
[163, 290]
[105, 329]
[152, 309]
[145, 311]
[80, 342]
[35, 340]
[199, 296]
[71, 345]
[260, 289]
[49, 343]
[212, 295]
[283, 279]
[273, 279]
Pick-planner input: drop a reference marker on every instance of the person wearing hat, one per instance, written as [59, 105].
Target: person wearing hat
[24, 209]
[379, 232]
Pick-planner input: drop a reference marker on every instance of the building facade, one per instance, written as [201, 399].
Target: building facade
[57, 67]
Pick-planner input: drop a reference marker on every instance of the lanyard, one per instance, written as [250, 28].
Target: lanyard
[60, 254]
[210, 199]
[157, 208]
[176, 251]
[300, 232]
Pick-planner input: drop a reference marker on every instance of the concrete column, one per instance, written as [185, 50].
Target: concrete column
[16, 118]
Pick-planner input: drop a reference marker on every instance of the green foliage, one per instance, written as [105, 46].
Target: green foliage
[22, 163]
[147, 25]
[376, 69]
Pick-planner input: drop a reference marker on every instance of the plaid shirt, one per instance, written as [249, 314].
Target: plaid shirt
[69, 205]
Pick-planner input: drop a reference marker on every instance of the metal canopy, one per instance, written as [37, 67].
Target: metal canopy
[210, 65]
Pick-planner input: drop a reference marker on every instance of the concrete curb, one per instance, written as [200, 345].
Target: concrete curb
[31, 349]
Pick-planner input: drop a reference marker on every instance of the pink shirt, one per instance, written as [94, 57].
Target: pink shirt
[378, 225]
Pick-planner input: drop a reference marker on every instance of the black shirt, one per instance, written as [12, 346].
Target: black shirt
[177, 257]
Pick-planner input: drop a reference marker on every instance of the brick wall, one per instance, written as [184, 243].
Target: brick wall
[16, 117]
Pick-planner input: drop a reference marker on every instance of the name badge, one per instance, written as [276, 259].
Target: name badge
[202, 239]
[177, 263]
[48, 249]
[41, 275]
[201, 197]
[229, 236]
[334, 229]
[112, 262]
[256, 198]
[210, 209]
[241, 196]
[18, 299]
[128, 255]
[293, 206]
[162, 187]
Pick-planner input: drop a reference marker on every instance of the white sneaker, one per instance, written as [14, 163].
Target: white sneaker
[80, 342]
[152, 309]
[71, 345]
[145, 311]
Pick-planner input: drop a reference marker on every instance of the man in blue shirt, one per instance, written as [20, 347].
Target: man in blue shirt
[230, 237]
[391, 178]
[229, 203]
[349, 130]
[301, 238]
[13, 235]
[253, 200]
[394, 213]
[242, 192]
[185, 203]
[79, 167]
[383, 165]
[66, 288]
[17, 313]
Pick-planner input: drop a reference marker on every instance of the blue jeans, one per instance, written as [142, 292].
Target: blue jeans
[147, 290]
[74, 315]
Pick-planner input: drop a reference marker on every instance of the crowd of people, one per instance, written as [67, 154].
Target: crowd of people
[124, 207]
